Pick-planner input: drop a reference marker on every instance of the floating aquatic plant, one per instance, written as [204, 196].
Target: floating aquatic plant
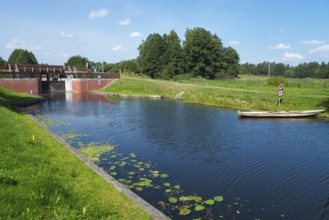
[199, 208]
[184, 210]
[209, 202]
[218, 198]
[197, 199]
[139, 189]
[132, 155]
[92, 152]
[173, 200]
[139, 175]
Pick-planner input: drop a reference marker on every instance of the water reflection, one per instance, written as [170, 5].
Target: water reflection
[268, 169]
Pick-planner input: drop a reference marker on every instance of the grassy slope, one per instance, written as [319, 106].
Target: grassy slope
[8, 97]
[248, 92]
[41, 179]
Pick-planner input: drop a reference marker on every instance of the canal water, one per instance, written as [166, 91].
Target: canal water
[199, 162]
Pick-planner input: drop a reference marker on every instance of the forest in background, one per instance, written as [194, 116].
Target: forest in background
[200, 54]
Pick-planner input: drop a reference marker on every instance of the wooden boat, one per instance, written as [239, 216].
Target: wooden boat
[280, 114]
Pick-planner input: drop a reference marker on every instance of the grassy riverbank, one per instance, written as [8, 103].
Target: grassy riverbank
[247, 92]
[41, 179]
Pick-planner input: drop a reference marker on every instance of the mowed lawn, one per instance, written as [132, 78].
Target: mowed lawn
[247, 92]
[41, 179]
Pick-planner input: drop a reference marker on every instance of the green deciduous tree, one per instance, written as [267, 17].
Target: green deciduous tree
[20, 56]
[202, 52]
[151, 55]
[2, 62]
[230, 63]
[130, 66]
[78, 61]
[173, 55]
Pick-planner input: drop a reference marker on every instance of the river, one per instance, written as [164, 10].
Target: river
[195, 161]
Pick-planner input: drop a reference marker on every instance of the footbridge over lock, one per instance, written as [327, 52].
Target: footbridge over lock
[39, 79]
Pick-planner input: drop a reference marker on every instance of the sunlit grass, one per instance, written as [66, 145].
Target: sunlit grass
[246, 92]
[41, 179]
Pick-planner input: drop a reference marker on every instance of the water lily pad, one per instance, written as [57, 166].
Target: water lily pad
[162, 204]
[132, 155]
[173, 200]
[122, 180]
[218, 198]
[177, 187]
[199, 208]
[209, 202]
[144, 182]
[122, 164]
[112, 167]
[131, 173]
[155, 173]
[168, 190]
[164, 175]
[141, 169]
[184, 211]
[139, 188]
[190, 198]
[134, 161]
[166, 184]
[113, 173]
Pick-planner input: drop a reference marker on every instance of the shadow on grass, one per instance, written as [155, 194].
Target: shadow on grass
[11, 99]
[325, 104]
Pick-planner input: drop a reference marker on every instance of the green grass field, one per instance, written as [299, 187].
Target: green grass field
[247, 92]
[41, 179]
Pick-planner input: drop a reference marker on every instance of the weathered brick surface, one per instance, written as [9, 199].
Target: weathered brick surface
[21, 85]
[85, 85]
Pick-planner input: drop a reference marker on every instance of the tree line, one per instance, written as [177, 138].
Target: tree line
[303, 70]
[200, 55]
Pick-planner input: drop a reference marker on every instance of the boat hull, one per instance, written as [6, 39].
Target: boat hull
[280, 114]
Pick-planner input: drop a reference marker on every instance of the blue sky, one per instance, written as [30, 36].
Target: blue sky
[286, 31]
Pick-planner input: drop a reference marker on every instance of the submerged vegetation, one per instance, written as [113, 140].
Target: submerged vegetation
[93, 151]
[143, 177]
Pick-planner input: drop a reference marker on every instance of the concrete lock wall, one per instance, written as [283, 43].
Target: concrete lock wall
[68, 84]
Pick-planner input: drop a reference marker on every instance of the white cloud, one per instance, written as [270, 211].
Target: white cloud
[234, 42]
[135, 35]
[65, 55]
[125, 22]
[280, 46]
[21, 44]
[323, 48]
[313, 42]
[98, 14]
[66, 35]
[292, 56]
[118, 48]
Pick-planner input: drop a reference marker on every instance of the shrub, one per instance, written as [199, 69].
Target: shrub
[275, 80]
